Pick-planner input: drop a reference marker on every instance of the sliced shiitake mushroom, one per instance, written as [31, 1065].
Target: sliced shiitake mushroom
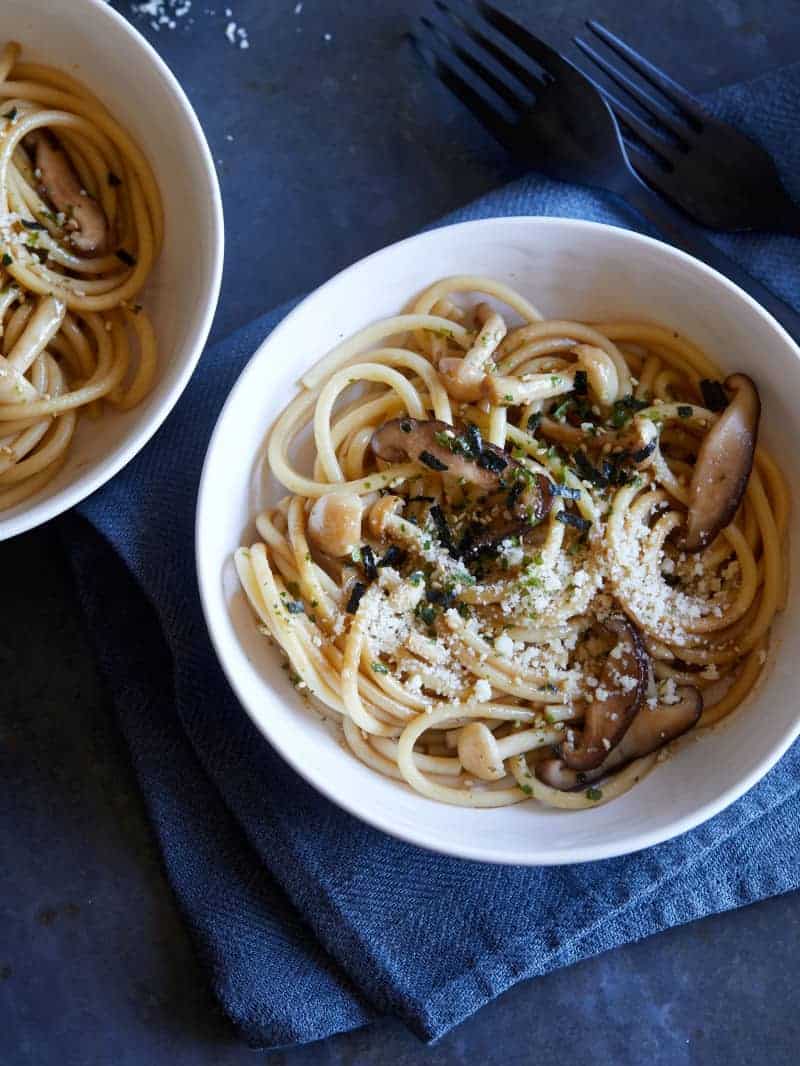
[649, 731]
[624, 683]
[723, 467]
[59, 183]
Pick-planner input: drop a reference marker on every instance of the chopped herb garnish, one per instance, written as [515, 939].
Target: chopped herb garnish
[533, 422]
[442, 597]
[379, 668]
[569, 518]
[113, 180]
[416, 578]
[294, 589]
[368, 562]
[431, 461]
[7, 260]
[560, 411]
[355, 555]
[356, 593]
[685, 411]
[555, 381]
[713, 395]
[526, 789]
[426, 612]
[508, 398]
[594, 794]
[125, 257]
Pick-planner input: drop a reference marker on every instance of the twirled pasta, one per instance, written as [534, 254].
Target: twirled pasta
[483, 572]
[81, 225]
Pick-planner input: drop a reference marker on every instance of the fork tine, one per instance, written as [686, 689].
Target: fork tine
[462, 19]
[641, 96]
[666, 150]
[657, 78]
[547, 58]
[432, 54]
[496, 84]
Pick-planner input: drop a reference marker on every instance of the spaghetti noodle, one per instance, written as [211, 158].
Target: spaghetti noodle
[80, 227]
[529, 554]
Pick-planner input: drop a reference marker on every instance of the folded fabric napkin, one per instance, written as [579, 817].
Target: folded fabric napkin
[311, 922]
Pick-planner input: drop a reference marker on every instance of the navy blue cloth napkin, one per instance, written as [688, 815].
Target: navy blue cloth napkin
[310, 922]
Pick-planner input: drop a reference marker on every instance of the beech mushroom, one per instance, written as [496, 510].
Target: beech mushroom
[623, 686]
[482, 754]
[649, 731]
[334, 523]
[723, 466]
[464, 378]
[59, 183]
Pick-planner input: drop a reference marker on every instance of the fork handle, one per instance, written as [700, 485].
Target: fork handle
[673, 226]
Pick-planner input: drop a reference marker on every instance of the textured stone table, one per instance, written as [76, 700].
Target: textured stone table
[330, 142]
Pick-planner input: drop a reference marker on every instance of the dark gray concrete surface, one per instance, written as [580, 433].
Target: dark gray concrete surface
[327, 149]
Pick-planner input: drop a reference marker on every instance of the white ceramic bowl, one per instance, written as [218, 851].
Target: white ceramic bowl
[88, 39]
[568, 269]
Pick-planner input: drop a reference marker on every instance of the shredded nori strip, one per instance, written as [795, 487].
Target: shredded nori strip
[31, 224]
[406, 426]
[581, 383]
[442, 528]
[393, 556]
[357, 591]
[565, 491]
[569, 518]
[113, 179]
[441, 597]
[533, 422]
[713, 395]
[588, 472]
[125, 257]
[40, 253]
[685, 411]
[489, 460]
[671, 579]
[368, 563]
[646, 452]
[516, 491]
[625, 408]
[431, 461]
[473, 440]
[295, 607]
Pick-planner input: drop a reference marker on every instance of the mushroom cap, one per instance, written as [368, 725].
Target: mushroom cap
[334, 523]
[61, 185]
[723, 466]
[649, 731]
[607, 720]
[478, 752]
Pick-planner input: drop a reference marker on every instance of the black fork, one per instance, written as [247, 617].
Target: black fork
[548, 113]
[715, 173]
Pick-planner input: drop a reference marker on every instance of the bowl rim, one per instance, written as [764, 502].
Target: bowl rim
[496, 854]
[50, 506]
